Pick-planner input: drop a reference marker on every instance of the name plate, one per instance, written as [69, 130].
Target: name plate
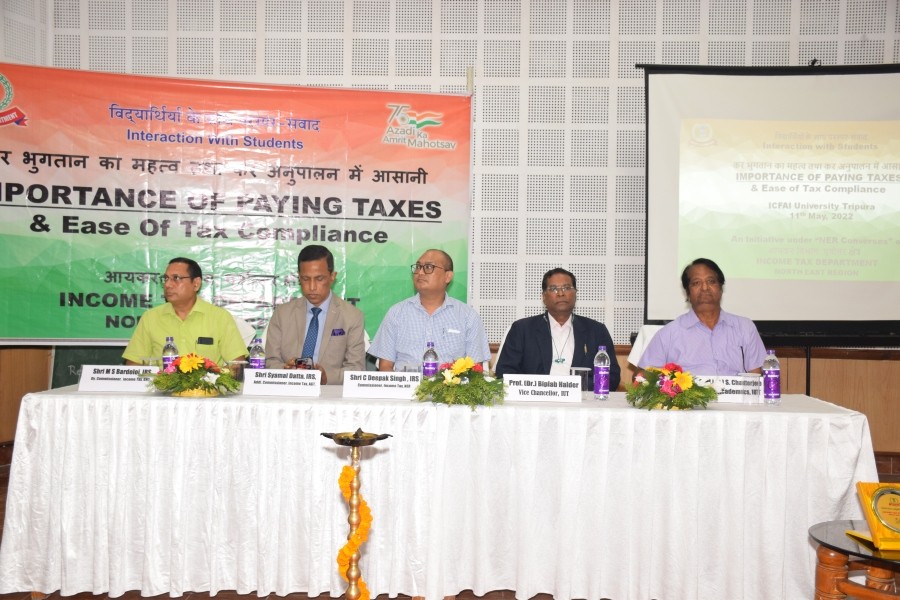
[543, 388]
[745, 388]
[124, 378]
[282, 382]
[380, 384]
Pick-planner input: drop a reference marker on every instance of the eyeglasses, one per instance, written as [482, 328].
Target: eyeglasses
[560, 289]
[175, 278]
[711, 282]
[427, 269]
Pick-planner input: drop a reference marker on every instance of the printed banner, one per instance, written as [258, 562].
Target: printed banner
[104, 178]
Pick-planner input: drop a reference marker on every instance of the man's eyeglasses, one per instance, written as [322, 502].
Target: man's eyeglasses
[427, 269]
[560, 289]
[711, 282]
[175, 278]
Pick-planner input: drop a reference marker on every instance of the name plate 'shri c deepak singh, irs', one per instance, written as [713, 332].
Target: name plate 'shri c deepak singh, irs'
[543, 388]
[282, 382]
[109, 378]
[381, 384]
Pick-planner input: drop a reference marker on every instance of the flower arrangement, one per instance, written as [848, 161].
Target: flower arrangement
[192, 372]
[462, 382]
[670, 388]
[359, 536]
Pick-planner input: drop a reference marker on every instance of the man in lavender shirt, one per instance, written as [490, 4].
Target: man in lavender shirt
[706, 340]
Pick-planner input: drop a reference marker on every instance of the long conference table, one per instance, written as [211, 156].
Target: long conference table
[116, 492]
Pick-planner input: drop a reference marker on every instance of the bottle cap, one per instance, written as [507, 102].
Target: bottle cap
[602, 348]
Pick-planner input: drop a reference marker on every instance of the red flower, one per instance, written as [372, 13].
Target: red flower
[445, 366]
[673, 368]
[478, 368]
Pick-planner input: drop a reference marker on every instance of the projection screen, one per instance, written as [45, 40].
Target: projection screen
[789, 179]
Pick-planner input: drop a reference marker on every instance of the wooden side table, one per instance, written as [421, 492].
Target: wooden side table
[833, 562]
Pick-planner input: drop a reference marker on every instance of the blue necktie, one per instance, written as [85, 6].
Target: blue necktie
[309, 346]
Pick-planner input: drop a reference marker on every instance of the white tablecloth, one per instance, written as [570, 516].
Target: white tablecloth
[110, 493]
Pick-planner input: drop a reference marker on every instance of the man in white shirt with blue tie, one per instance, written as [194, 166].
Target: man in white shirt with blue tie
[319, 326]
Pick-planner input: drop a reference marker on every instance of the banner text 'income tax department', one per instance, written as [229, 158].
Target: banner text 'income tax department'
[104, 178]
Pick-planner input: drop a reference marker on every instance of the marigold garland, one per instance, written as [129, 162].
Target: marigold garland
[358, 537]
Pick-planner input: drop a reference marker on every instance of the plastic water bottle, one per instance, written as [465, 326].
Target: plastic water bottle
[601, 374]
[257, 355]
[169, 353]
[771, 369]
[429, 361]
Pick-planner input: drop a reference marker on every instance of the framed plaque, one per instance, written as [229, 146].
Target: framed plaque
[881, 505]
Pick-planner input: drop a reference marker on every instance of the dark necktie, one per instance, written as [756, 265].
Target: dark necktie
[309, 346]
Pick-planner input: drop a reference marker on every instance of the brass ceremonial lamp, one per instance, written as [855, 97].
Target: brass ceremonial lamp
[355, 440]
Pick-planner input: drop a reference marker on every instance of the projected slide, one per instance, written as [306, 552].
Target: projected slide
[788, 178]
[807, 200]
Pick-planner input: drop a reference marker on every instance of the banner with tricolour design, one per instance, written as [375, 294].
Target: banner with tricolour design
[104, 178]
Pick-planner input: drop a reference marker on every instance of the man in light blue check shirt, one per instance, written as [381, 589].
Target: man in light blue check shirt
[430, 316]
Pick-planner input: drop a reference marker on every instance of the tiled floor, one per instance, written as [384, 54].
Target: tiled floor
[4, 485]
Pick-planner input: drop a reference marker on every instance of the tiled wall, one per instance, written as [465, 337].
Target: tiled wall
[888, 465]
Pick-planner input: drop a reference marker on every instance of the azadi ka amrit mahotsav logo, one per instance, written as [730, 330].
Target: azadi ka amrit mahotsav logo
[408, 128]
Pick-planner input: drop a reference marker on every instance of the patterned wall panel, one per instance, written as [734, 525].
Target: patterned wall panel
[558, 169]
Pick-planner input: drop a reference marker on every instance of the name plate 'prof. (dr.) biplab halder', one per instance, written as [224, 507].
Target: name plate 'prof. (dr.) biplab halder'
[543, 388]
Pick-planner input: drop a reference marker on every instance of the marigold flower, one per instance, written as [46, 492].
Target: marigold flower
[346, 478]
